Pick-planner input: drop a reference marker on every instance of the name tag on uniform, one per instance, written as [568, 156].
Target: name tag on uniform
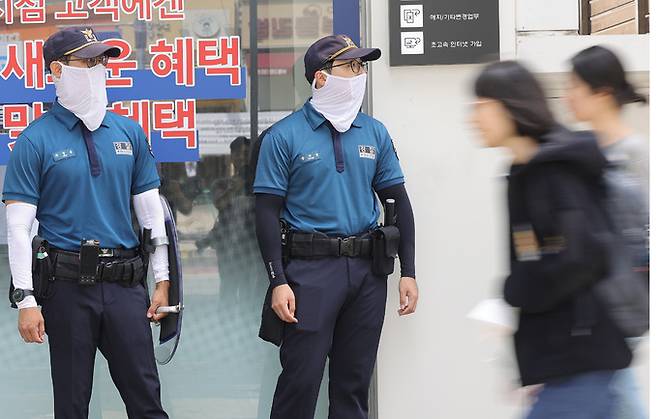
[310, 157]
[367, 152]
[123, 148]
[63, 154]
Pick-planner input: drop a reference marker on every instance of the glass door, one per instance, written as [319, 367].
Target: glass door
[222, 369]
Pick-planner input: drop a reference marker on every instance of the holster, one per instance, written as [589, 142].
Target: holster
[285, 236]
[271, 326]
[385, 243]
[146, 248]
[42, 272]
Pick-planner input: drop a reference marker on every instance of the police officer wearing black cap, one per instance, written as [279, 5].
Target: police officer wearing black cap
[75, 170]
[320, 172]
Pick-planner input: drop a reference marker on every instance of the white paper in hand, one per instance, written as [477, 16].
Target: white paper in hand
[496, 312]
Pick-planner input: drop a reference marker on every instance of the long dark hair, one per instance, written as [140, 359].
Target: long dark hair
[518, 90]
[602, 70]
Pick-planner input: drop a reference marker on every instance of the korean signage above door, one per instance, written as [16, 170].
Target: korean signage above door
[424, 32]
[162, 98]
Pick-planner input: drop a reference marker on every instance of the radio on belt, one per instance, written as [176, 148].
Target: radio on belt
[89, 257]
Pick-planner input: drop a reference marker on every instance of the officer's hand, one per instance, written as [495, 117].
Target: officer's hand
[31, 325]
[408, 296]
[160, 299]
[283, 303]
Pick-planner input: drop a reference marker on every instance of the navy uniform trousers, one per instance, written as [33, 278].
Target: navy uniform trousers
[340, 307]
[108, 316]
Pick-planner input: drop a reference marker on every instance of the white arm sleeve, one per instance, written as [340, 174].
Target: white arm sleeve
[20, 217]
[150, 214]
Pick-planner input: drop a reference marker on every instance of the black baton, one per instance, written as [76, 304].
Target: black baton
[390, 217]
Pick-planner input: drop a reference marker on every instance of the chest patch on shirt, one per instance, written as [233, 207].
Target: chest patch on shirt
[63, 154]
[367, 152]
[526, 244]
[123, 148]
[305, 158]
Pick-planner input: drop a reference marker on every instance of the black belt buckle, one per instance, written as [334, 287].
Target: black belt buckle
[346, 246]
[106, 253]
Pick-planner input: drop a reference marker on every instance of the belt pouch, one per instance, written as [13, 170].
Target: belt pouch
[133, 273]
[42, 269]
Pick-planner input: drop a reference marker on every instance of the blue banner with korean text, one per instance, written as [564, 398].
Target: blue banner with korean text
[161, 98]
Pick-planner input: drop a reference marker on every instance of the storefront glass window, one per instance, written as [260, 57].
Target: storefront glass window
[222, 369]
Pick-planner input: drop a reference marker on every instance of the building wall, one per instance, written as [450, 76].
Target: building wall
[438, 363]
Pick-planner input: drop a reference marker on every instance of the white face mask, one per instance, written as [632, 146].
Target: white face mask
[83, 92]
[340, 99]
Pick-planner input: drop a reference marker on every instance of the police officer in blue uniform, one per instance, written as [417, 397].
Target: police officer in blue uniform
[321, 171]
[75, 170]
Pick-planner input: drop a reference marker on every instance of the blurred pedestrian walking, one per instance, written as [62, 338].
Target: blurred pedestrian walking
[597, 93]
[560, 241]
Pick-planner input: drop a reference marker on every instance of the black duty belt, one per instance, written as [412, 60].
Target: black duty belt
[301, 245]
[116, 265]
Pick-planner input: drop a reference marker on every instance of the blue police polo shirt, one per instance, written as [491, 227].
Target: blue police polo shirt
[297, 161]
[49, 167]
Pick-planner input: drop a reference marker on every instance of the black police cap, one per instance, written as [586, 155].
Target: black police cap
[81, 42]
[335, 47]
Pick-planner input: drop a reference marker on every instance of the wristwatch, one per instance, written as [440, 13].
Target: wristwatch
[19, 295]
